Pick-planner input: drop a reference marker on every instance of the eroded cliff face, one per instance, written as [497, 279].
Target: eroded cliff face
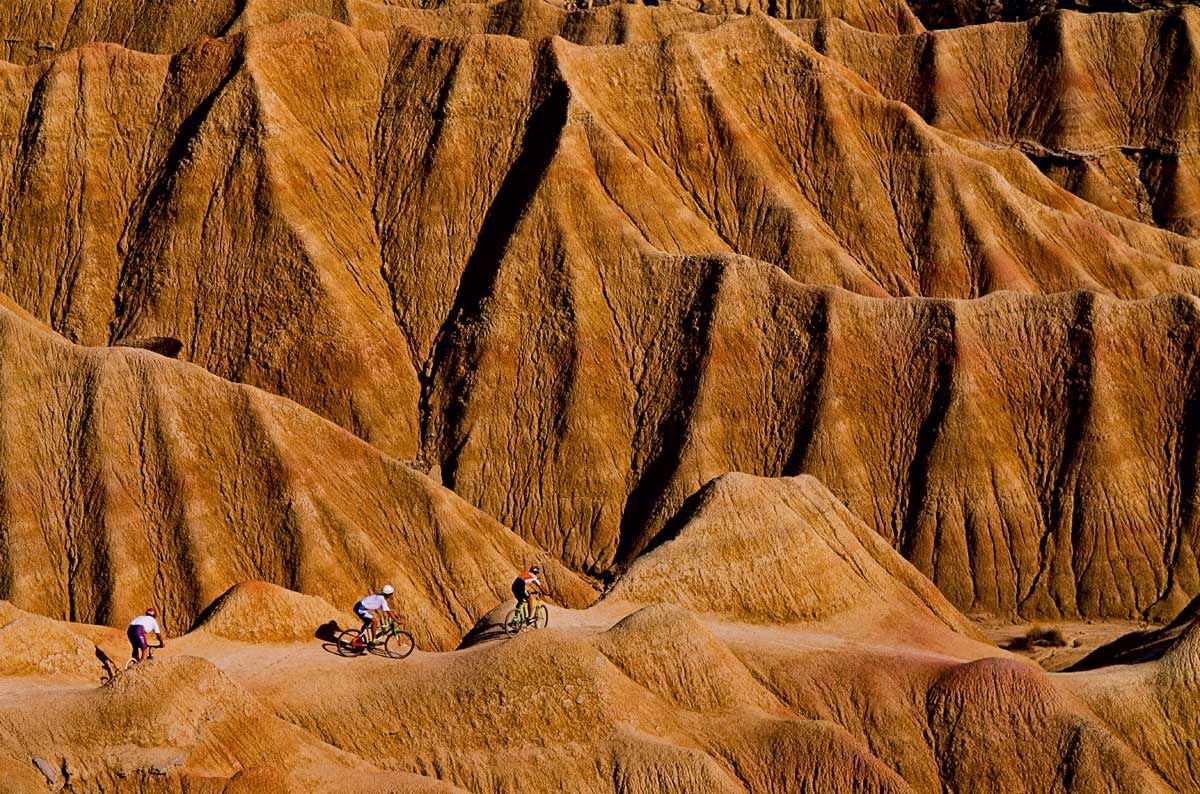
[753, 318]
[130, 479]
[1104, 104]
[583, 281]
[35, 30]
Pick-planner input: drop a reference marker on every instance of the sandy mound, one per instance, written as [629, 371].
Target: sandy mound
[655, 703]
[779, 551]
[1011, 720]
[178, 723]
[263, 612]
[31, 645]
[666, 650]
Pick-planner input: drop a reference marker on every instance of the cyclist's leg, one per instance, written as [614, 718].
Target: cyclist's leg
[137, 642]
[366, 617]
[521, 593]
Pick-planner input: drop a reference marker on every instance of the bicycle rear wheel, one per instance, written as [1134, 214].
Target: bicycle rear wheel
[398, 645]
[345, 646]
[541, 617]
[514, 621]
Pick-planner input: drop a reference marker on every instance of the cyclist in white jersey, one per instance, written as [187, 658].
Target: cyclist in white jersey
[370, 607]
[139, 627]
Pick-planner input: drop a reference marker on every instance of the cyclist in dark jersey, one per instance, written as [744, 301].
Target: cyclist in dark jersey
[525, 586]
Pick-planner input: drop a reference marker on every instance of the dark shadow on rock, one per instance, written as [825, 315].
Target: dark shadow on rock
[1136, 647]
[110, 667]
[489, 627]
[167, 346]
[328, 631]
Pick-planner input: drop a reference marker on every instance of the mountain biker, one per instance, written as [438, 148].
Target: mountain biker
[369, 608]
[138, 628]
[525, 586]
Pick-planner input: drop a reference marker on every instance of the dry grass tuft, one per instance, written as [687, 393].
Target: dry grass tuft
[1038, 636]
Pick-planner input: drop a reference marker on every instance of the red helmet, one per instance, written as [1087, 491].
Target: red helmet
[152, 612]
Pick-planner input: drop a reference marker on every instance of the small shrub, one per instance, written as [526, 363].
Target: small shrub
[1038, 637]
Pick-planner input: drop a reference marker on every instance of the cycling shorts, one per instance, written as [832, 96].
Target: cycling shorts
[137, 638]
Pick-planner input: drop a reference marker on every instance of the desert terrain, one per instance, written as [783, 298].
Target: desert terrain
[837, 361]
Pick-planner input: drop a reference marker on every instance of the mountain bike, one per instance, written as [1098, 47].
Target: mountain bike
[517, 620]
[149, 656]
[388, 640]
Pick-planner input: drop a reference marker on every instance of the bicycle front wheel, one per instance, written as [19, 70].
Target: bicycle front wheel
[514, 621]
[398, 645]
[345, 643]
[541, 617]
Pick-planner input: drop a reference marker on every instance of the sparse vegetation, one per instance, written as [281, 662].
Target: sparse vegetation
[1038, 636]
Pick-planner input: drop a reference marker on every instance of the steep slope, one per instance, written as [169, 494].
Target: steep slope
[520, 262]
[955, 13]
[781, 551]
[622, 23]
[979, 438]
[1105, 104]
[131, 479]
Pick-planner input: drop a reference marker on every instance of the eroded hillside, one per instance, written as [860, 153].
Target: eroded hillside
[584, 280]
[131, 479]
[780, 335]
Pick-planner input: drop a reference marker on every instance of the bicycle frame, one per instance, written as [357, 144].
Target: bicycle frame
[387, 628]
[525, 610]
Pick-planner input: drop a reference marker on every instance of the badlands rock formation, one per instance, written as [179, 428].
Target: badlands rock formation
[584, 280]
[780, 334]
[659, 701]
[131, 479]
[779, 551]
[1104, 104]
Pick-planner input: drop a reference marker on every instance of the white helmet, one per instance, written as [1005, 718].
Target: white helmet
[387, 589]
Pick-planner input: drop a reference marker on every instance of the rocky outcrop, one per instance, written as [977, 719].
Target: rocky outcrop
[34, 30]
[1104, 104]
[780, 551]
[583, 281]
[131, 479]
